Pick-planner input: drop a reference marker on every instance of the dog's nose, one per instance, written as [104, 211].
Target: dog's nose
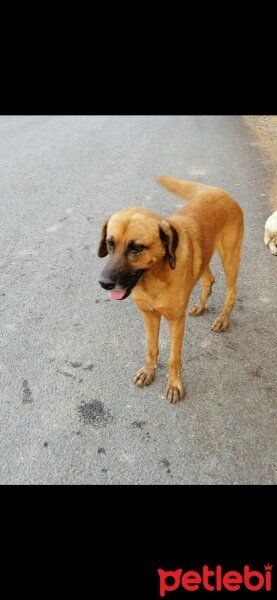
[107, 283]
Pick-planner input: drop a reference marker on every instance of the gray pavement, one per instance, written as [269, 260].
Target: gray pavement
[70, 413]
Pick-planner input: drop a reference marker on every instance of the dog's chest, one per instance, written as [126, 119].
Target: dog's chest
[159, 297]
[149, 293]
[148, 302]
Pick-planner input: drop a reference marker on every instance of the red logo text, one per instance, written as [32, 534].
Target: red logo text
[215, 580]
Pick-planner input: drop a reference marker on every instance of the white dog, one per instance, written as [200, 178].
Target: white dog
[270, 233]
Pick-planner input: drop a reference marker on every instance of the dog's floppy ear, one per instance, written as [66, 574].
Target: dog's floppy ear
[169, 237]
[102, 250]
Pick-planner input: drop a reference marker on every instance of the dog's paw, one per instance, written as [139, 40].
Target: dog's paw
[197, 309]
[273, 250]
[221, 323]
[144, 376]
[174, 391]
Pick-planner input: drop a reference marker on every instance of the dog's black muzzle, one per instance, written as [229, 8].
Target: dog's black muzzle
[120, 279]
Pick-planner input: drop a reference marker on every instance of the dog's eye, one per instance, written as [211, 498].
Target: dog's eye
[135, 248]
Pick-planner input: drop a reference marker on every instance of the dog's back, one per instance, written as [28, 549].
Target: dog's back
[215, 212]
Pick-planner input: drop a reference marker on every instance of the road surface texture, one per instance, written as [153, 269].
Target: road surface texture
[265, 129]
[70, 413]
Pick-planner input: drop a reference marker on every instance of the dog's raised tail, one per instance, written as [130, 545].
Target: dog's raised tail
[188, 190]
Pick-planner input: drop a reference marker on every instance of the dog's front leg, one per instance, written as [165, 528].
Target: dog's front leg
[146, 374]
[174, 389]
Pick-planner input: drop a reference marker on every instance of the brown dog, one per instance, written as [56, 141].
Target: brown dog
[160, 260]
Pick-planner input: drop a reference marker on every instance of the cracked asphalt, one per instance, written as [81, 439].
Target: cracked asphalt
[70, 413]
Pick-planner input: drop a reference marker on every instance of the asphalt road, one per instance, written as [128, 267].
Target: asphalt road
[69, 410]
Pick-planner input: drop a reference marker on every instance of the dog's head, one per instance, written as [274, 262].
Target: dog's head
[135, 240]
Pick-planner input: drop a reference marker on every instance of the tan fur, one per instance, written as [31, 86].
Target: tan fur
[211, 221]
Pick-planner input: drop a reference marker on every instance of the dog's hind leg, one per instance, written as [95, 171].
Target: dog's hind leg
[207, 281]
[230, 251]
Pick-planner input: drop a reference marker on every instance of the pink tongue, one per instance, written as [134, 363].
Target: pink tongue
[116, 295]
